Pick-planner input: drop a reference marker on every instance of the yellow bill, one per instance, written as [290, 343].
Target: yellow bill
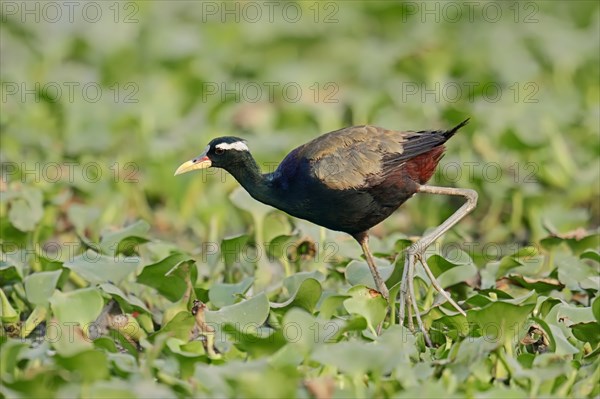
[201, 162]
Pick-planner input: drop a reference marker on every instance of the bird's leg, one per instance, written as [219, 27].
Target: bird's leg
[417, 251]
[363, 240]
[438, 287]
[404, 295]
[411, 290]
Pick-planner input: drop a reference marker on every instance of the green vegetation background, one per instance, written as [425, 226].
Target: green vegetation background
[97, 115]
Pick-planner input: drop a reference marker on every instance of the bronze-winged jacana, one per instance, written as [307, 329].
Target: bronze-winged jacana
[350, 180]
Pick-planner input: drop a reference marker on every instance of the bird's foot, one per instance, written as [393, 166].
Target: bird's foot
[407, 292]
[437, 286]
[383, 290]
[407, 295]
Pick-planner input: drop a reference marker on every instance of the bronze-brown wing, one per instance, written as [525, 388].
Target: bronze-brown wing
[345, 159]
[362, 156]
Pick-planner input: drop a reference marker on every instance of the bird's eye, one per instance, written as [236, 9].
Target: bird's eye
[219, 151]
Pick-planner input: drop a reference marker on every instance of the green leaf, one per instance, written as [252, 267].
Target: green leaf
[301, 329]
[27, 210]
[127, 303]
[256, 342]
[367, 303]
[168, 276]
[358, 272]
[293, 282]
[40, 286]
[8, 314]
[330, 305]
[500, 322]
[587, 332]
[232, 249]
[440, 264]
[246, 315]
[97, 268]
[541, 285]
[74, 312]
[358, 357]
[307, 296]
[82, 216]
[524, 261]
[90, 365]
[222, 294]
[590, 254]
[11, 269]
[575, 274]
[180, 326]
[596, 308]
[124, 240]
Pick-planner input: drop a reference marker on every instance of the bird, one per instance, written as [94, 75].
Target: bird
[350, 180]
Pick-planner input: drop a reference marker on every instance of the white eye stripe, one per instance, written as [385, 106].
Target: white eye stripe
[238, 145]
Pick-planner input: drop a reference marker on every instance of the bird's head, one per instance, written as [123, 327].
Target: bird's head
[223, 152]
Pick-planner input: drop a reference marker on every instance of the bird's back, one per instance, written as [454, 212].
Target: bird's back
[363, 172]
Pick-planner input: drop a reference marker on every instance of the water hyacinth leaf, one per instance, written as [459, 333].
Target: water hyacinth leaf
[452, 327]
[82, 216]
[27, 209]
[452, 269]
[358, 272]
[596, 308]
[256, 342]
[8, 314]
[562, 345]
[127, 303]
[40, 286]
[11, 268]
[569, 314]
[524, 261]
[500, 322]
[293, 282]
[10, 356]
[180, 326]
[330, 305]
[367, 303]
[221, 294]
[278, 247]
[440, 264]
[587, 332]
[276, 225]
[591, 254]
[96, 268]
[458, 274]
[248, 314]
[233, 249]
[540, 285]
[169, 275]
[472, 354]
[575, 274]
[81, 362]
[306, 297]
[125, 239]
[358, 357]
[75, 312]
[81, 306]
[300, 329]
